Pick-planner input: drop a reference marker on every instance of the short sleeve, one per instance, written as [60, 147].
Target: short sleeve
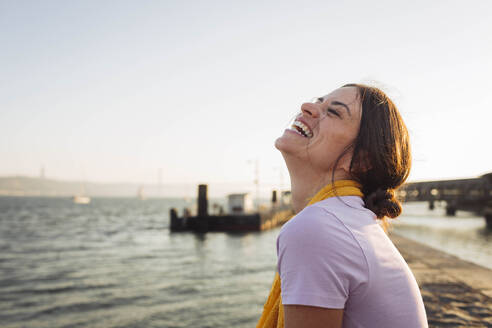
[320, 263]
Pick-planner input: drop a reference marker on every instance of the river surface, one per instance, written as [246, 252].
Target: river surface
[114, 263]
[464, 235]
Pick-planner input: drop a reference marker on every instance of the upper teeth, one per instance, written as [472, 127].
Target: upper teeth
[307, 132]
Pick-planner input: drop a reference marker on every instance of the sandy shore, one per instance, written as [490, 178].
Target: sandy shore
[456, 293]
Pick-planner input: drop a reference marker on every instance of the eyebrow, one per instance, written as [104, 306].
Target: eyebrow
[341, 104]
[335, 103]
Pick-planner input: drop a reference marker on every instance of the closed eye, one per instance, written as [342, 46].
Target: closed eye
[332, 111]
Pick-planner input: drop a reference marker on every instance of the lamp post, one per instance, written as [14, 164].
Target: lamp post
[256, 181]
[281, 176]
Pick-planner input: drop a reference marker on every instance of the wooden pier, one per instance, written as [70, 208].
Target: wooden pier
[277, 214]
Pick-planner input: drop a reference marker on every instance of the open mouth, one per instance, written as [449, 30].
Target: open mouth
[302, 129]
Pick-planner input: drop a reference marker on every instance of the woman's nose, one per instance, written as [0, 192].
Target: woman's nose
[310, 109]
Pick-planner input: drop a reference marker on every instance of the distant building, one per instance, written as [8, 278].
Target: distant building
[240, 203]
[286, 198]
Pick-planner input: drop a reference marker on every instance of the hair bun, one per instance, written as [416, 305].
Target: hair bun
[383, 203]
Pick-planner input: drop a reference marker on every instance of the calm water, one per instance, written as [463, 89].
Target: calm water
[114, 263]
[464, 235]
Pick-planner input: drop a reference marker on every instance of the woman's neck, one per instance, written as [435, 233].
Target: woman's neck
[306, 182]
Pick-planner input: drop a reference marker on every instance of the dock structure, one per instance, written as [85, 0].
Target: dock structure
[474, 195]
[456, 293]
[236, 221]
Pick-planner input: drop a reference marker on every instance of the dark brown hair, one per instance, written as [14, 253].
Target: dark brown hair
[381, 152]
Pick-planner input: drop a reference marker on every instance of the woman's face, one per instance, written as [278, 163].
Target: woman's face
[323, 130]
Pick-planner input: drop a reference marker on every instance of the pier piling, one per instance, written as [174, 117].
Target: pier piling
[202, 200]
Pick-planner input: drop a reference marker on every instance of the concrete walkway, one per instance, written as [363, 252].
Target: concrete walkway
[456, 293]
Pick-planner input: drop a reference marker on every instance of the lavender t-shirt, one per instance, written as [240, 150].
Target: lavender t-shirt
[334, 254]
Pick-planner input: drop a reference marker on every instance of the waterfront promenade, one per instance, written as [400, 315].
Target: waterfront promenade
[456, 293]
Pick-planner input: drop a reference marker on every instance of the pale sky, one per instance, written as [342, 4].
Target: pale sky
[111, 91]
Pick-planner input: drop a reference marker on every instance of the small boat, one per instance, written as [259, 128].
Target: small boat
[140, 193]
[80, 199]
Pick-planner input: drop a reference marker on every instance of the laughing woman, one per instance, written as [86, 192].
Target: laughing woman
[346, 154]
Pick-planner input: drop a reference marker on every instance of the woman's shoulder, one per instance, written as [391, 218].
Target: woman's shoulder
[339, 213]
[311, 217]
[317, 244]
[317, 224]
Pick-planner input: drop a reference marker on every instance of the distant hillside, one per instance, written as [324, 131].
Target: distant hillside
[30, 186]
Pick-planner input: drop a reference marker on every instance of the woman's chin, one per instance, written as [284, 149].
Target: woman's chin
[285, 145]
[282, 144]
[288, 141]
[278, 143]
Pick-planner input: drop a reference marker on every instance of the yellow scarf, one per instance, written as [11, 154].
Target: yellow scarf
[273, 310]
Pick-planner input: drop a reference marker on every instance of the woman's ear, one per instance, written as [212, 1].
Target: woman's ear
[364, 161]
[345, 160]
[363, 165]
